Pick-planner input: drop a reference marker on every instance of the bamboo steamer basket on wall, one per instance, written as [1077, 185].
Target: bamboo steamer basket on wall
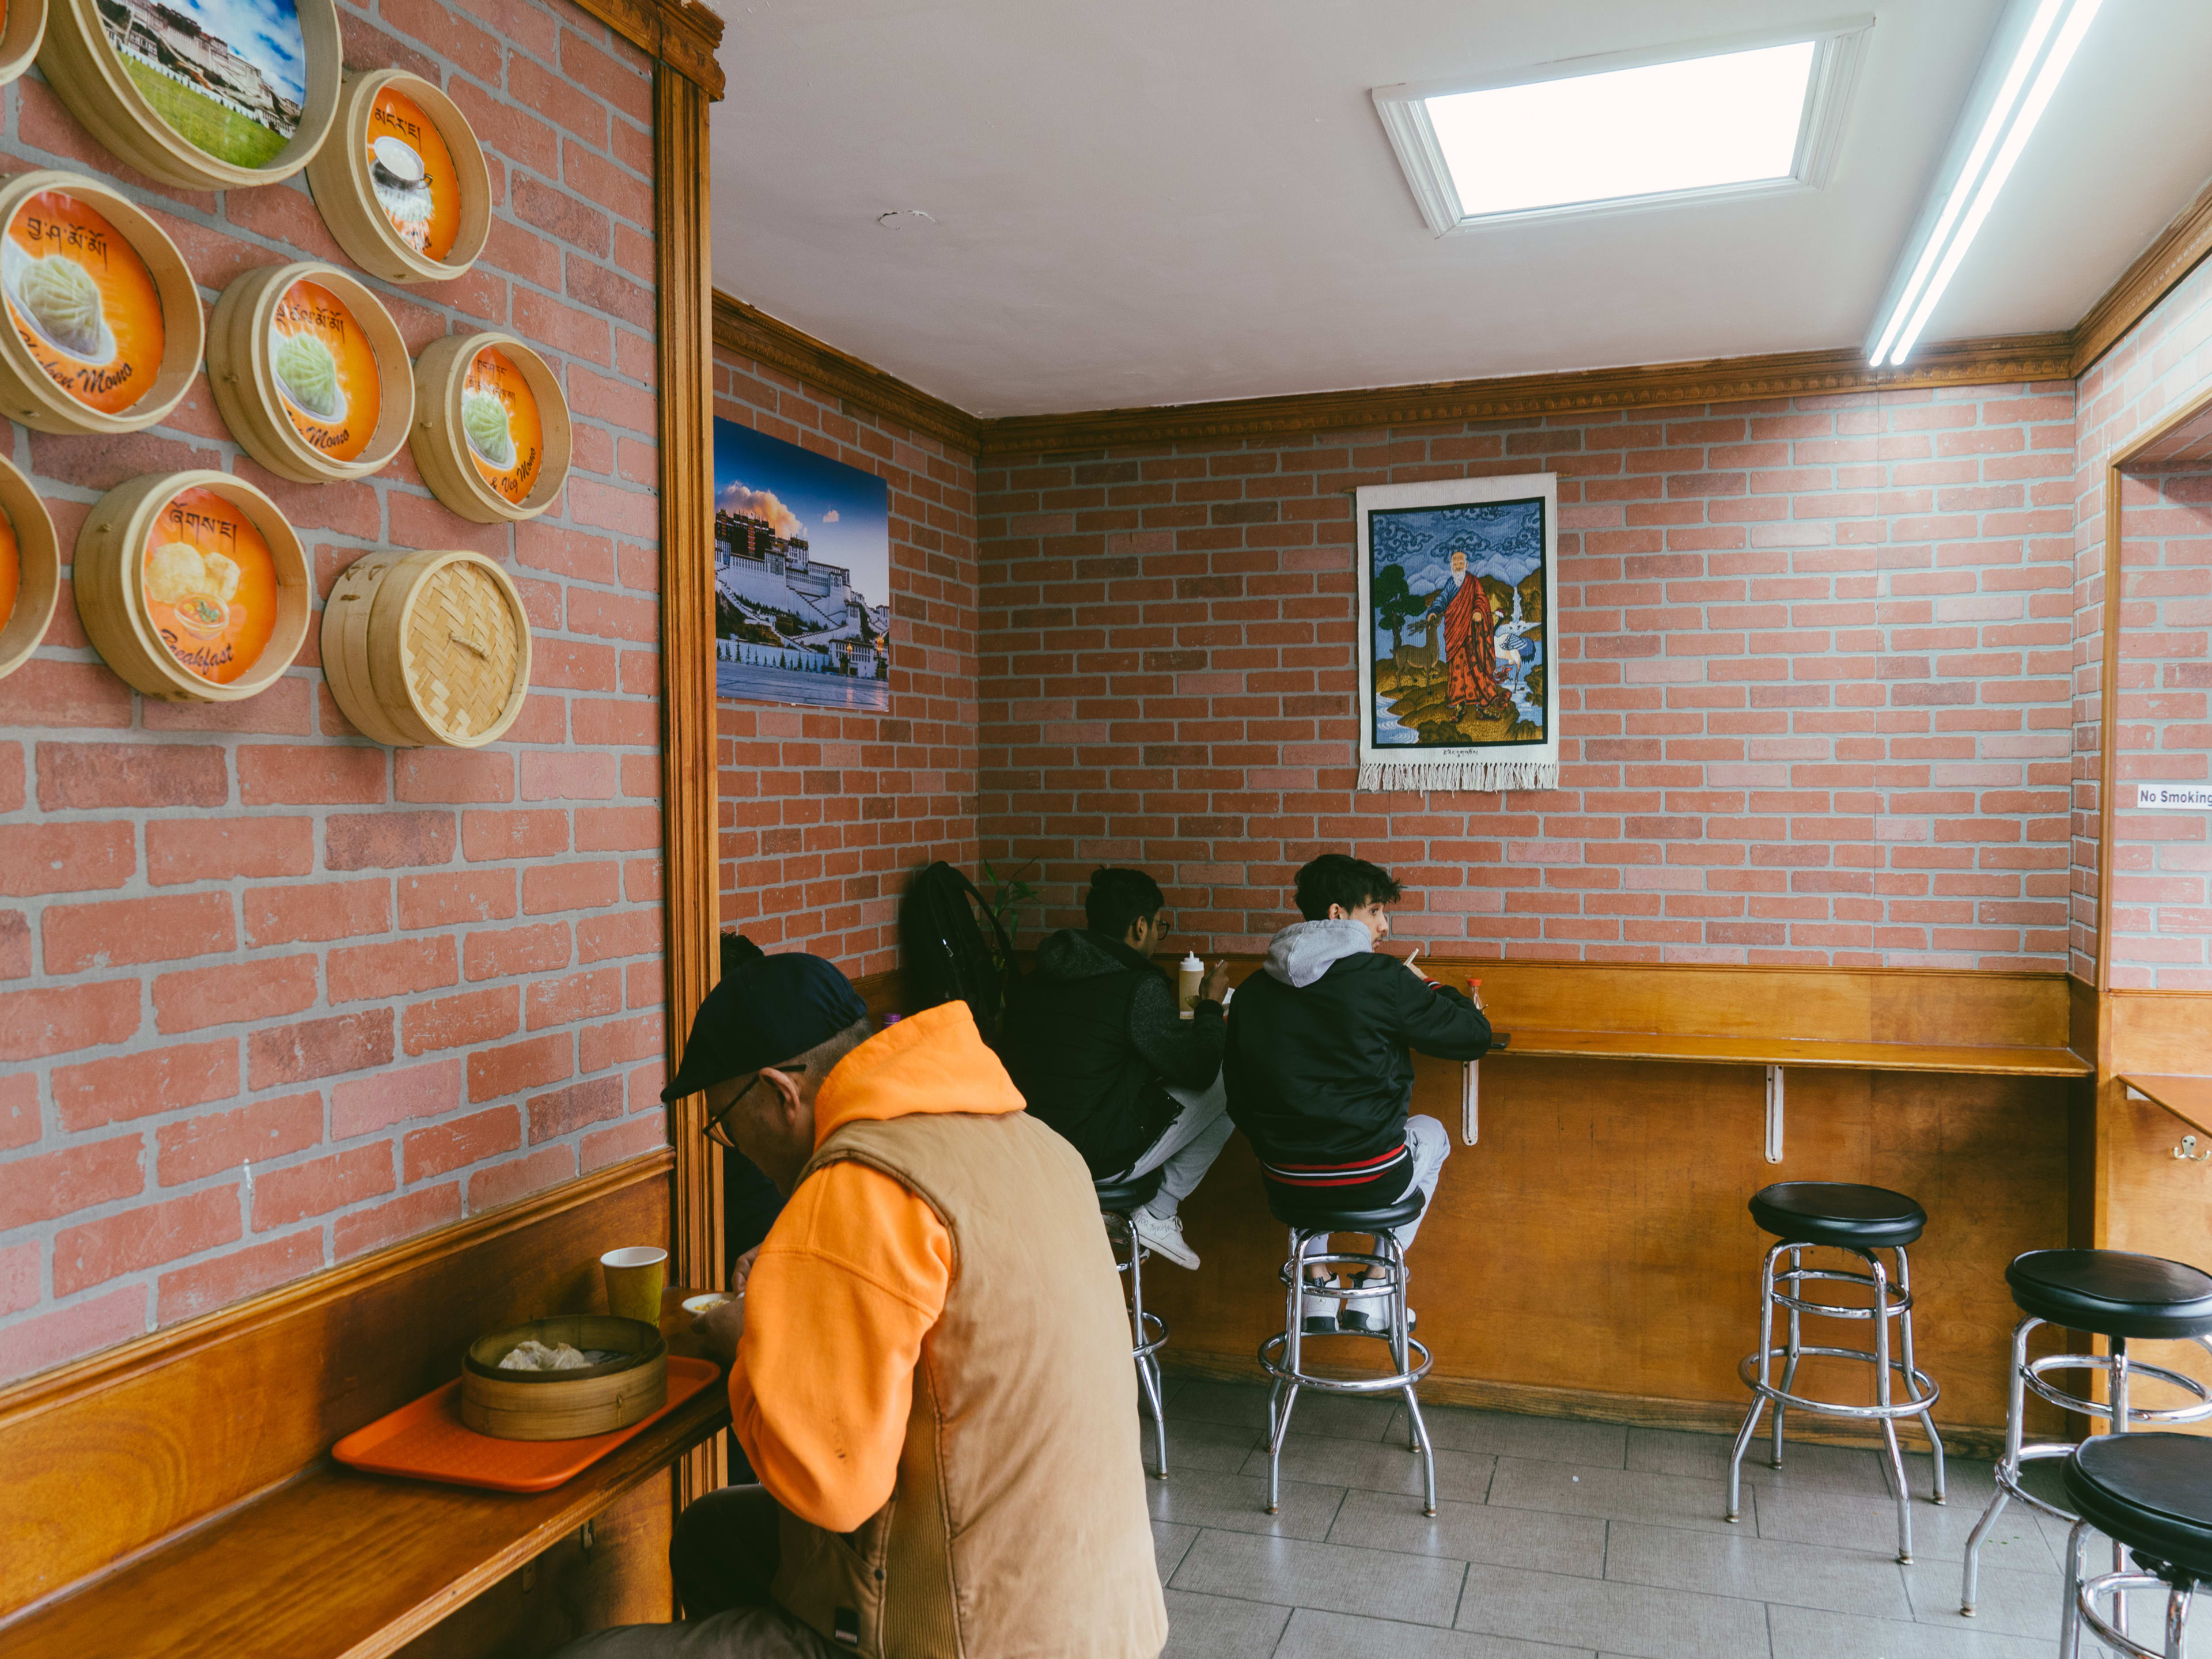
[30, 570]
[103, 330]
[424, 649]
[22, 32]
[192, 587]
[310, 373]
[401, 181]
[231, 126]
[491, 433]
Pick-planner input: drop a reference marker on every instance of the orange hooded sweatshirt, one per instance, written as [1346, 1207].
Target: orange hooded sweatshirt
[850, 1281]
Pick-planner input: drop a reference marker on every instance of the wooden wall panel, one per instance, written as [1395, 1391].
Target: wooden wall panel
[107, 1456]
[1596, 1240]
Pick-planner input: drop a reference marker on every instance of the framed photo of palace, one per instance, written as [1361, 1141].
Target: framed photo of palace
[1458, 637]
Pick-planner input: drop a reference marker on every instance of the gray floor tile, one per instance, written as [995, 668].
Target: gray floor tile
[1379, 1466]
[1341, 1636]
[1198, 1498]
[1667, 1500]
[1220, 1447]
[1342, 1415]
[1216, 1627]
[1417, 1589]
[1811, 1633]
[1550, 1439]
[1169, 1544]
[1763, 1569]
[1634, 1620]
[1474, 1532]
[2010, 1603]
[1939, 1531]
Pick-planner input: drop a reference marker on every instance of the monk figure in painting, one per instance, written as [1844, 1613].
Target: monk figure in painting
[1469, 639]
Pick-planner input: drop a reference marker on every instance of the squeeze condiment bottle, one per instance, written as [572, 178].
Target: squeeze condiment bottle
[1189, 972]
[1474, 992]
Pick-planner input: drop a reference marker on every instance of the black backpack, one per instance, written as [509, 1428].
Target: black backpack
[943, 954]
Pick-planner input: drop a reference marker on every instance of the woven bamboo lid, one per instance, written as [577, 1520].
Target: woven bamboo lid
[427, 648]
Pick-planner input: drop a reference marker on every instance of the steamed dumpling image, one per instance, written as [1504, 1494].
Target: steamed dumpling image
[483, 417]
[178, 572]
[309, 374]
[62, 300]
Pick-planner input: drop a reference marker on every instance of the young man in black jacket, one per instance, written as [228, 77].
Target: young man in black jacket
[1095, 1043]
[1319, 1067]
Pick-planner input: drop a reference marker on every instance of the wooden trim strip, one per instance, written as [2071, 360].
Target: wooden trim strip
[67, 1383]
[681, 33]
[751, 332]
[2177, 251]
[1728, 379]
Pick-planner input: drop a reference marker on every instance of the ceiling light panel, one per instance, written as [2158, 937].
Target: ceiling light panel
[1722, 119]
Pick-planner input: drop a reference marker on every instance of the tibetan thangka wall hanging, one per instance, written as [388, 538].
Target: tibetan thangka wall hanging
[1458, 587]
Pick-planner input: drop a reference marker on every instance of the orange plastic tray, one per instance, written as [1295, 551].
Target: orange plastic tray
[428, 1440]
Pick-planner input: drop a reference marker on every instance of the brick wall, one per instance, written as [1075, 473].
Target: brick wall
[2162, 921]
[272, 995]
[1815, 691]
[823, 812]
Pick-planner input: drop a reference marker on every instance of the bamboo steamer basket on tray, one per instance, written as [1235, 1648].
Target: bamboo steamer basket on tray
[427, 648]
[566, 1405]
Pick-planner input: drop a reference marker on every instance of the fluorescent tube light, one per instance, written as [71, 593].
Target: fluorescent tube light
[2045, 34]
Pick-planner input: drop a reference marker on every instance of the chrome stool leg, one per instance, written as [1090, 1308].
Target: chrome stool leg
[1881, 1400]
[1759, 1395]
[2081, 1596]
[1148, 1333]
[1905, 1331]
[2007, 1469]
[1401, 1356]
[1789, 1367]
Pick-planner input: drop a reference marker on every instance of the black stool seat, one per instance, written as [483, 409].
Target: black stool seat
[2150, 1491]
[1317, 1215]
[1838, 1212]
[2113, 1293]
[1118, 1195]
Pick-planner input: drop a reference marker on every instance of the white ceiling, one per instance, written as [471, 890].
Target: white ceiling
[1143, 202]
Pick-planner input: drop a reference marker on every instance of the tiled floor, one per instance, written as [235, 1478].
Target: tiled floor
[1554, 1539]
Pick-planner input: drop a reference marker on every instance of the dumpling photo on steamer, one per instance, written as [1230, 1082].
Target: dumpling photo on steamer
[61, 300]
[197, 586]
[307, 373]
[483, 418]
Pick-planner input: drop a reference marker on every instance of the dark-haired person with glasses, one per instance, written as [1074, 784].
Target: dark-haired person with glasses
[1095, 1041]
[929, 1369]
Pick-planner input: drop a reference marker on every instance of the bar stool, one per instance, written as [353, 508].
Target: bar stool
[2150, 1494]
[2107, 1293]
[1118, 1201]
[1282, 1356]
[1860, 1221]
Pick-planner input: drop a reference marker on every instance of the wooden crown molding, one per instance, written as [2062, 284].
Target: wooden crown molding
[681, 33]
[2061, 354]
[48, 1389]
[2176, 251]
[751, 332]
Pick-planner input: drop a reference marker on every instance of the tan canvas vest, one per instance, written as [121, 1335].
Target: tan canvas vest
[1019, 1528]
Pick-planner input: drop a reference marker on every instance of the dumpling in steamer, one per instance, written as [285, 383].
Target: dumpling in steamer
[483, 417]
[64, 299]
[309, 374]
[535, 1356]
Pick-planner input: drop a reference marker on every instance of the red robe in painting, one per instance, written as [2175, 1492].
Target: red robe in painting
[1470, 648]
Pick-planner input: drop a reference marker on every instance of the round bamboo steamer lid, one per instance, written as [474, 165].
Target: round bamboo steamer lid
[20, 36]
[31, 395]
[339, 178]
[442, 447]
[244, 378]
[565, 1405]
[38, 574]
[84, 68]
[109, 578]
[427, 649]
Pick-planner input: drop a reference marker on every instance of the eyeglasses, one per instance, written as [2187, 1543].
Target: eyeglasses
[718, 1130]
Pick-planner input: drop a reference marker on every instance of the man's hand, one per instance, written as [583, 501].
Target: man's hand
[742, 1269]
[1217, 981]
[719, 1328]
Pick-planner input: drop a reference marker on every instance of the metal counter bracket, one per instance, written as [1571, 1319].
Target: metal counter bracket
[1774, 1115]
[1470, 1103]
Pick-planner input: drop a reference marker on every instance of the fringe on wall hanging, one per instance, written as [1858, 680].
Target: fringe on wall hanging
[1444, 772]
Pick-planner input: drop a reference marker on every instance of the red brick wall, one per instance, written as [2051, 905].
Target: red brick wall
[272, 995]
[2161, 919]
[1813, 661]
[825, 813]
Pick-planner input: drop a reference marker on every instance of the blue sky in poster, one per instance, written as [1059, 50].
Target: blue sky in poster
[1502, 539]
[843, 512]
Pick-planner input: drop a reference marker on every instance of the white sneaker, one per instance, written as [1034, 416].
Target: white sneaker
[1317, 1314]
[1163, 1236]
[1370, 1316]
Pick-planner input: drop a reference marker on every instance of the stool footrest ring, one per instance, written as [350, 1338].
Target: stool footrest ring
[1271, 1362]
[2117, 1584]
[1924, 1392]
[2101, 1411]
[1156, 1336]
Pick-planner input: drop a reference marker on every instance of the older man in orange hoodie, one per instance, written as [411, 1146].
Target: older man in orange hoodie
[930, 1367]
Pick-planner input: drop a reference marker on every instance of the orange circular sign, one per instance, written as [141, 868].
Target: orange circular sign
[411, 172]
[210, 585]
[82, 301]
[11, 568]
[500, 423]
[325, 370]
